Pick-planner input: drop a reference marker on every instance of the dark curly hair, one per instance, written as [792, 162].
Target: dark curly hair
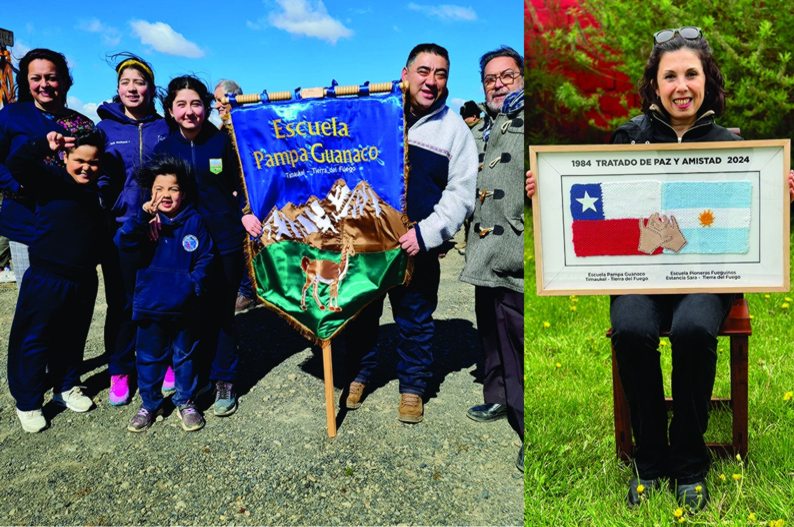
[167, 164]
[186, 82]
[64, 77]
[713, 98]
[94, 137]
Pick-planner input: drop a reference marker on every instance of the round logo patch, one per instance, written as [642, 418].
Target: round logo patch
[190, 243]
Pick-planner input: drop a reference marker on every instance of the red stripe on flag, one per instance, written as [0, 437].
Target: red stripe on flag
[607, 238]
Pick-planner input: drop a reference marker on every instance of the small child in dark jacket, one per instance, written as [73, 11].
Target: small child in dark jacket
[56, 298]
[172, 275]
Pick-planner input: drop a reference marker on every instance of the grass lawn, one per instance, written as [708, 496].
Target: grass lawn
[572, 474]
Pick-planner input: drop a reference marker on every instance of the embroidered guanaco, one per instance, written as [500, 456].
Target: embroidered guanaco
[326, 272]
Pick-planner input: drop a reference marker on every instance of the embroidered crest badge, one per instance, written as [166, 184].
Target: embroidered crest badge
[190, 243]
[216, 166]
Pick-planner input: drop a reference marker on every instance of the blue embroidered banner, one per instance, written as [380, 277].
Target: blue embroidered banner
[326, 178]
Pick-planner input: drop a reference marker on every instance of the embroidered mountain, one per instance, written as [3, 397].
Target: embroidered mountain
[361, 214]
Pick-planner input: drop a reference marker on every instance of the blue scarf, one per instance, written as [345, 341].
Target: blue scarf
[512, 103]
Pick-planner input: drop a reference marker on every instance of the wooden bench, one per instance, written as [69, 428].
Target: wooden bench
[737, 328]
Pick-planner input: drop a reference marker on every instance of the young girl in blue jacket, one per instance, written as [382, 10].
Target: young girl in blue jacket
[133, 128]
[223, 207]
[171, 279]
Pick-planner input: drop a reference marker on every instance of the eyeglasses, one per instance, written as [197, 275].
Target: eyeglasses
[507, 77]
[687, 32]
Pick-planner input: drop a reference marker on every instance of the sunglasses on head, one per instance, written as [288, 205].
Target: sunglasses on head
[687, 32]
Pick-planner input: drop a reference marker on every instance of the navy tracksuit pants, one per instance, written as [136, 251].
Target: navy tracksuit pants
[412, 306]
[219, 336]
[162, 343]
[119, 279]
[48, 334]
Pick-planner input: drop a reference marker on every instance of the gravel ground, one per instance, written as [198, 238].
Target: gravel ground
[271, 462]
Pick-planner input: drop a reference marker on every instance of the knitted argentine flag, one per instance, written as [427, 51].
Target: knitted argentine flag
[714, 217]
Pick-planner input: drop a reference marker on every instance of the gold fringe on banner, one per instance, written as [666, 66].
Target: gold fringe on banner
[313, 93]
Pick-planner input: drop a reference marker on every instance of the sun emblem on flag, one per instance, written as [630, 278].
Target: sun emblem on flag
[706, 218]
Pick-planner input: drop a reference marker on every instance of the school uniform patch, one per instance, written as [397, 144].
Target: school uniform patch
[216, 166]
[190, 243]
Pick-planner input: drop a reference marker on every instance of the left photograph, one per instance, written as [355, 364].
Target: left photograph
[262, 266]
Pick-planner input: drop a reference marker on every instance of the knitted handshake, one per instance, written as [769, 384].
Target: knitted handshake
[660, 231]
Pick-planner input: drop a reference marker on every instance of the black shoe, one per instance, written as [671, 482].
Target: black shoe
[694, 496]
[638, 488]
[487, 412]
[520, 458]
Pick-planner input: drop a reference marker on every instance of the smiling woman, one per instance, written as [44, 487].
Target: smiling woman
[42, 85]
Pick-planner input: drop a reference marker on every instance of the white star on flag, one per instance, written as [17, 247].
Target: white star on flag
[587, 202]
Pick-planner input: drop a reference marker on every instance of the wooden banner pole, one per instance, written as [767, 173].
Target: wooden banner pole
[328, 377]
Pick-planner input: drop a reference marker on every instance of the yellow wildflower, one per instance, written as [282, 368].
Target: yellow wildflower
[767, 296]
[751, 517]
[698, 489]
[681, 519]
[572, 308]
[640, 488]
[558, 365]
[678, 513]
[723, 478]
[546, 324]
[788, 396]
[573, 298]
[736, 477]
[787, 299]
[784, 305]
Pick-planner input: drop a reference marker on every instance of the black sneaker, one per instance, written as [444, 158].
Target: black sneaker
[638, 490]
[693, 496]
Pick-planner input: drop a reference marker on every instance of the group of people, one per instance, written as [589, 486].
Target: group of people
[158, 203]
[682, 92]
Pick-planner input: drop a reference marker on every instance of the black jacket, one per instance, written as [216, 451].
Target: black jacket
[653, 127]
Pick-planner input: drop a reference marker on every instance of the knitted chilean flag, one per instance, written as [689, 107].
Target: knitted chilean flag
[714, 217]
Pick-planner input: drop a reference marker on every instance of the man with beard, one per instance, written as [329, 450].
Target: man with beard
[494, 256]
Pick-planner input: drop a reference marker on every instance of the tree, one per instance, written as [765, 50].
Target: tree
[751, 41]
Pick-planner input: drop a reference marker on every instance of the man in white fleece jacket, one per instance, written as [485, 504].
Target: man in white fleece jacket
[442, 160]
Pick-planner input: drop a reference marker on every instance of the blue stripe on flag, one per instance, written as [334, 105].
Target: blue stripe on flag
[707, 240]
[702, 194]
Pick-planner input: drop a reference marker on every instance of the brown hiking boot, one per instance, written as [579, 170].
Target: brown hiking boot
[411, 409]
[354, 394]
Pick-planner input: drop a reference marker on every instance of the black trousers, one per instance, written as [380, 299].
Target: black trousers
[500, 324]
[694, 321]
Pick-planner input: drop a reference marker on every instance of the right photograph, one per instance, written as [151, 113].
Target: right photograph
[658, 330]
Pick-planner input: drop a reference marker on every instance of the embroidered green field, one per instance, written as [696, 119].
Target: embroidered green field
[572, 474]
[323, 289]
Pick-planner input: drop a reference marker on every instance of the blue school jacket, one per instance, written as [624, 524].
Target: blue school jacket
[216, 168]
[172, 272]
[68, 216]
[129, 144]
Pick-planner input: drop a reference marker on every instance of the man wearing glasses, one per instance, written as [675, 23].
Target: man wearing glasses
[495, 251]
[442, 158]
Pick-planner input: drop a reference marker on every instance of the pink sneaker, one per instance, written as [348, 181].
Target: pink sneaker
[119, 393]
[169, 382]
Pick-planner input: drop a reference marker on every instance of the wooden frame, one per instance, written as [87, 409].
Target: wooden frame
[742, 246]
